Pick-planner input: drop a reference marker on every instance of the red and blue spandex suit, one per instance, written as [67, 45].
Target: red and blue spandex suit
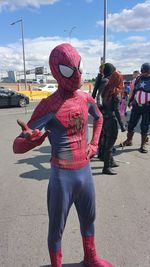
[64, 116]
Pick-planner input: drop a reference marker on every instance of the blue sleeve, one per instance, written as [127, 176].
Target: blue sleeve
[41, 122]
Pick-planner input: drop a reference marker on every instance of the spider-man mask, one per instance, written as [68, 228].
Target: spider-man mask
[66, 67]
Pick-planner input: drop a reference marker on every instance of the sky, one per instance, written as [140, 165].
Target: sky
[47, 23]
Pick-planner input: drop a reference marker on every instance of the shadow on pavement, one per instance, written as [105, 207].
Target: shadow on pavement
[38, 175]
[96, 168]
[40, 172]
[97, 173]
[120, 150]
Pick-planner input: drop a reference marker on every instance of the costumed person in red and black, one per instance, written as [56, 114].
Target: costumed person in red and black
[140, 101]
[111, 97]
[105, 71]
[64, 116]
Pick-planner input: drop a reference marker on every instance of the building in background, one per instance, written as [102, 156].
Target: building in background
[36, 75]
[10, 78]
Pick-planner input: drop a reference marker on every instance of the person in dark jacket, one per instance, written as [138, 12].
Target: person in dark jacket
[97, 81]
[105, 70]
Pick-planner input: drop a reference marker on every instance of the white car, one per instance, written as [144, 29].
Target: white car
[50, 87]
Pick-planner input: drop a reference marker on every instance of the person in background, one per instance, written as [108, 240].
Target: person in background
[97, 81]
[136, 73]
[140, 101]
[124, 101]
[111, 97]
[101, 81]
[64, 115]
[126, 92]
[105, 70]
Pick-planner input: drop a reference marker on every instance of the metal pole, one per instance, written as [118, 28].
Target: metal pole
[105, 30]
[23, 50]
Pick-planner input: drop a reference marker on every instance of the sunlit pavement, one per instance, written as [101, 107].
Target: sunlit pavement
[122, 204]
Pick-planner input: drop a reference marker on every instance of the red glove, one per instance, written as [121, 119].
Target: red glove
[28, 139]
[32, 135]
[91, 151]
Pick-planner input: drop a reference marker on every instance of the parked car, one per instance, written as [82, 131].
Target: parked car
[50, 87]
[10, 98]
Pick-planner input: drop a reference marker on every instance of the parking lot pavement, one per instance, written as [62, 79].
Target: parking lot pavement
[122, 205]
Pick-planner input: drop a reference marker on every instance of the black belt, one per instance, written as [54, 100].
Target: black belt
[145, 104]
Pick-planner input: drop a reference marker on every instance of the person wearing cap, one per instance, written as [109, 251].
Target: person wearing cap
[140, 101]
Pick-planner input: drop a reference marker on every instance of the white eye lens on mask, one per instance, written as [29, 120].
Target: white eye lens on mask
[81, 67]
[66, 71]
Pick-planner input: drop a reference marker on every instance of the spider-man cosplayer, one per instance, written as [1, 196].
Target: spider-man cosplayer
[140, 100]
[64, 115]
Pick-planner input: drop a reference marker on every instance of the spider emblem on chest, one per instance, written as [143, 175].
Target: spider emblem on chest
[76, 123]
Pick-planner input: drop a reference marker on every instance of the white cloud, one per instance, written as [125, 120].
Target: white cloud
[137, 19]
[126, 58]
[13, 4]
[137, 38]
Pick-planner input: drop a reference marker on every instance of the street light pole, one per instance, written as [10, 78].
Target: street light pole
[105, 30]
[23, 50]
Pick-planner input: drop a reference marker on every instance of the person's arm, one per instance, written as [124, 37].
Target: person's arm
[97, 127]
[116, 104]
[131, 97]
[97, 83]
[103, 83]
[28, 139]
[31, 135]
[133, 91]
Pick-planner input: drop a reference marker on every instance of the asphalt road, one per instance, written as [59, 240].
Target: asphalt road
[123, 205]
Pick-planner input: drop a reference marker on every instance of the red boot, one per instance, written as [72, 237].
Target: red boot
[90, 258]
[56, 258]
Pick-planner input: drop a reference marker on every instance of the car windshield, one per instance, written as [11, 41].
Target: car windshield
[47, 85]
[41, 86]
[6, 90]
